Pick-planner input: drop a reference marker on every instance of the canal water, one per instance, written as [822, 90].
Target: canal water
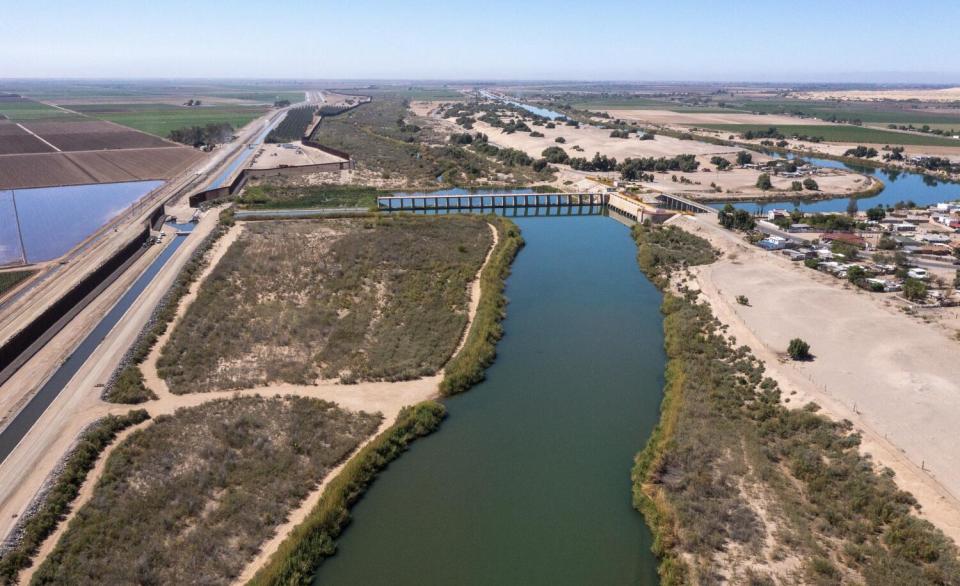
[528, 480]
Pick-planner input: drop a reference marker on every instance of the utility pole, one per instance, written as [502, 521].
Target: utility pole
[16, 218]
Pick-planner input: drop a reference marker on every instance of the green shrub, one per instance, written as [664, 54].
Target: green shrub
[56, 504]
[798, 349]
[467, 367]
[302, 552]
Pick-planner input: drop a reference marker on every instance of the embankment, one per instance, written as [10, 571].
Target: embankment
[740, 487]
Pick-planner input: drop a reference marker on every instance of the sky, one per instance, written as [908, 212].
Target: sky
[671, 40]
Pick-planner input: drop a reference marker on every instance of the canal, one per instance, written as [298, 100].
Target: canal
[528, 480]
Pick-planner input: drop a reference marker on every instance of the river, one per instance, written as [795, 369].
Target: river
[899, 186]
[528, 480]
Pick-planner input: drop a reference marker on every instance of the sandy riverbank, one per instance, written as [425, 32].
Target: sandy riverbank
[895, 378]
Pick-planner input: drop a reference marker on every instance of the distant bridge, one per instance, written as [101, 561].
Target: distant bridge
[430, 202]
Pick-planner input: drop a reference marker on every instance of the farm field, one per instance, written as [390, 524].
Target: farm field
[20, 109]
[293, 126]
[190, 498]
[865, 112]
[10, 279]
[15, 140]
[92, 135]
[843, 133]
[81, 168]
[265, 97]
[354, 299]
[161, 119]
[640, 103]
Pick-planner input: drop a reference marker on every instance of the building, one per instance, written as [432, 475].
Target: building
[773, 243]
[845, 237]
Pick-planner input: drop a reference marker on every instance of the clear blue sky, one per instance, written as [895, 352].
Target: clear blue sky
[839, 40]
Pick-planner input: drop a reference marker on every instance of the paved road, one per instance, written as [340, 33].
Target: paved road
[77, 403]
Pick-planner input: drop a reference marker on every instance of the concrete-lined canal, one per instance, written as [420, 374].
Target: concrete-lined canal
[528, 481]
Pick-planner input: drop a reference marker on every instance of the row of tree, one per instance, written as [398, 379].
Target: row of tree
[200, 136]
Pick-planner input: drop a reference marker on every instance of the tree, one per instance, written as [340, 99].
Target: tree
[555, 154]
[876, 213]
[886, 242]
[744, 158]
[742, 300]
[763, 182]
[721, 163]
[848, 251]
[852, 207]
[856, 274]
[810, 185]
[914, 289]
[798, 349]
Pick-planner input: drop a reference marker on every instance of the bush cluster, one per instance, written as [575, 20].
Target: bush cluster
[36, 527]
[302, 552]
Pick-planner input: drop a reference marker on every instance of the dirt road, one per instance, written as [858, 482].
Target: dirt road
[23, 472]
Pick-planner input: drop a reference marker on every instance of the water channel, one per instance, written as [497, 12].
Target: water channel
[528, 480]
[899, 186]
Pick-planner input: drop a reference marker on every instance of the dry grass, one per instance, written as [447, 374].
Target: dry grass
[189, 499]
[359, 299]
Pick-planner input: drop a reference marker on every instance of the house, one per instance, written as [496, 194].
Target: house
[794, 255]
[902, 227]
[845, 237]
[933, 250]
[934, 238]
[824, 253]
[773, 243]
[775, 213]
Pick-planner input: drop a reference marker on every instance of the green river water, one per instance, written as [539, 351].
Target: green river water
[527, 482]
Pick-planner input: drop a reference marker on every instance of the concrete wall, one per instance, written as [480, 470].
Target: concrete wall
[24, 344]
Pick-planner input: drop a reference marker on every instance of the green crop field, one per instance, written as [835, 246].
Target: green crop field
[627, 103]
[843, 133]
[164, 118]
[259, 96]
[10, 279]
[20, 111]
[881, 113]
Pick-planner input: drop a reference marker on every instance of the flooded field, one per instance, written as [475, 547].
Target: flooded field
[42, 224]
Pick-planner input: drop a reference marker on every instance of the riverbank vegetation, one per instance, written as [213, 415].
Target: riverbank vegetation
[38, 525]
[738, 487]
[313, 540]
[387, 139]
[380, 298]
[280, 196]
[479, 350]
[190, 498]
